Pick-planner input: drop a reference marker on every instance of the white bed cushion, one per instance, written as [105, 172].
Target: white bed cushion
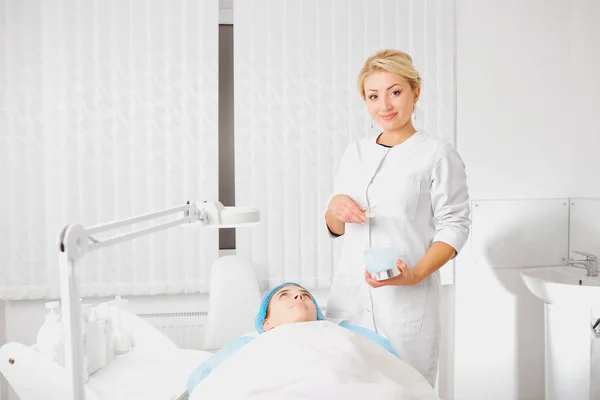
[137, 375]
[145, 376]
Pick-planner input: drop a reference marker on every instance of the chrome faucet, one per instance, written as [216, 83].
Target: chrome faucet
[590, 263]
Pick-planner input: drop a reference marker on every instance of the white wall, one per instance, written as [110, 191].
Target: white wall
[528, 126]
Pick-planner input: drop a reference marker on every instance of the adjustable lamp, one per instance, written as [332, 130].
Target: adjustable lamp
[76, 240]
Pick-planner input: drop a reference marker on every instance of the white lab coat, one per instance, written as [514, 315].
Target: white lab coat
[417, 192]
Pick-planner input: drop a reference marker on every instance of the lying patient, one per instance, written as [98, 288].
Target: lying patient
[287, 303]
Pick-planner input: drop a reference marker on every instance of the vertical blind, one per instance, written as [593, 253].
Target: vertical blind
[297, 107]
[108, 109]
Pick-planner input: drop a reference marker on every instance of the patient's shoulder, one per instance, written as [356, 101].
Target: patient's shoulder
[369, 334]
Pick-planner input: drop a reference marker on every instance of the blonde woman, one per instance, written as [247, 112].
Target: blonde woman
[402, 191]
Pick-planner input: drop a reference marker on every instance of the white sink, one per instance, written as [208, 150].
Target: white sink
[571, 360]
[562, 285]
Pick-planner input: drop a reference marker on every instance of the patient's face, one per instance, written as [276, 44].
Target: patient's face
[290, 304]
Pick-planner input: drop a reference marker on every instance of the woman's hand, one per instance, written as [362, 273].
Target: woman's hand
[407, 277]
[344, 209]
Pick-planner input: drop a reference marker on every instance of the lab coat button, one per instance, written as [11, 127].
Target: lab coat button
[368, 310]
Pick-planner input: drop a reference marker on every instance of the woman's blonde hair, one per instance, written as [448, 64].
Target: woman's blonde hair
[394, 61]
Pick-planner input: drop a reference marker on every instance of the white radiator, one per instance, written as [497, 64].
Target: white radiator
[186, 329]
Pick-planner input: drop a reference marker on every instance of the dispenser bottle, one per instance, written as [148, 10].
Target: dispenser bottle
[122, 340]
[104, 312]
[97, 346]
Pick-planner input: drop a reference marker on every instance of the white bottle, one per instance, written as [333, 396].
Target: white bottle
[104, 313]
[96, 342]
[50, 337]
[122, 341]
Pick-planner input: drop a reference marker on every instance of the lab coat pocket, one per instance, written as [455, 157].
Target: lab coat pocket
[407, 196]
[410, 305]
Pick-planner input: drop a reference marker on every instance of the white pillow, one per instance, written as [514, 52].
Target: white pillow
[234, 300]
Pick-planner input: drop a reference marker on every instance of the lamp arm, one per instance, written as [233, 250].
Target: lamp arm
[187, 209]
